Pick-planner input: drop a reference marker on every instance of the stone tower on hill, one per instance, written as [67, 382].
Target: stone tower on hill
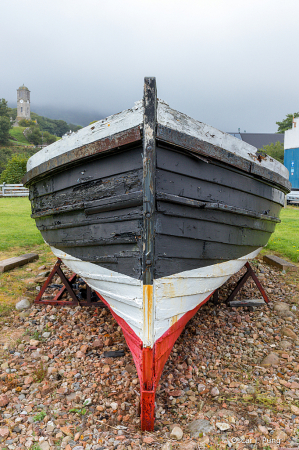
[23, 103]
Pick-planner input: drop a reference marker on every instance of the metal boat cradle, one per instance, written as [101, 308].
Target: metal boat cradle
[155, 211]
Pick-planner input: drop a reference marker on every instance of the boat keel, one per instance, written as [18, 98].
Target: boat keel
[150, 362]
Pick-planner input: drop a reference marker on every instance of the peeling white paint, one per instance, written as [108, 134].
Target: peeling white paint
[124, 120]
[165, 116]
[177, 294]
[172, 296]
[180, 122]
[123, 293]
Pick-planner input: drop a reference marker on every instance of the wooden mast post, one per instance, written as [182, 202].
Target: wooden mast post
[147, 385]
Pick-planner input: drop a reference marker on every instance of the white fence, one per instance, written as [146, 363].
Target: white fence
[13, 190]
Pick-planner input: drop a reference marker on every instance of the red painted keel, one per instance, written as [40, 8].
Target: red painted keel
[150, 362]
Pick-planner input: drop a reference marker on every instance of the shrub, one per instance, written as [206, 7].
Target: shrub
[15, 170]
[26, 123]
[33, 135]
[276, 151]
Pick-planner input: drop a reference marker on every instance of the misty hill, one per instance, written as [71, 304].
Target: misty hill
[57, 127]
[75, 117]
[70, 116]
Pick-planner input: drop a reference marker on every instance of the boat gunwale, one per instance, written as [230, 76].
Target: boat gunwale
[181, 141]
[212, 152]
[116, 142]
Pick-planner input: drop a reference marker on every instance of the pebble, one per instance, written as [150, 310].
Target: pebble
[222, 426]
[46, 334]
[279, 435]
[295, 410]
[167, 446]
[214, 391]
[176, 433]
[271, 360]
[44, 445]
[289, 333]
[89, 396]
[199, 426]
[4, 400]
[24, 303]
[4, 432]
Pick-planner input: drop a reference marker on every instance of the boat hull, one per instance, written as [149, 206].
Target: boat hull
[155, 211]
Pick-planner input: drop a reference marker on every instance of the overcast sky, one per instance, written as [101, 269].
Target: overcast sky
[228, 63]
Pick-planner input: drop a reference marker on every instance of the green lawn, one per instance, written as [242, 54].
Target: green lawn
[285, 239]
[17, 133]
[17, 229]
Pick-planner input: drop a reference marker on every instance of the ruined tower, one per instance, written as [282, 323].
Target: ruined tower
[23, 103]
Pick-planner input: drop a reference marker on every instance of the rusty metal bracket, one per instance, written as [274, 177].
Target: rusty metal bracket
[67, 286]
[249, 273]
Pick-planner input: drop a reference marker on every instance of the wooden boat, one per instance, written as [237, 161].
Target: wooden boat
[155, 211]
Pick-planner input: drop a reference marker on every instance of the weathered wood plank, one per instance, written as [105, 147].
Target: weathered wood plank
[190, 165]
[210, 231]
[251, 302]
[183, 140]
[279, 262]
[102, 166]
[207, 191]
[40, 162]
[11, 263]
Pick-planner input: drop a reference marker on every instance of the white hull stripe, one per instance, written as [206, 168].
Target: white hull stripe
[173, 296]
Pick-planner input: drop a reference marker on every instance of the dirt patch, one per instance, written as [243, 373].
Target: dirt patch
[9, 337]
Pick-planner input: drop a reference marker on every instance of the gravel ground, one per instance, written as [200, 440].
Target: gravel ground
[231, 381]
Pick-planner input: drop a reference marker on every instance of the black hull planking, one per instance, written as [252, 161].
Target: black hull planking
[206, 211]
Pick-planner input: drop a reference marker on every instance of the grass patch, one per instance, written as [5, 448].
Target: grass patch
[40, 373]
[17, 229]
[14, 284]
[79, 411]
[17, 133]
[39, 416]
[19, 235]
[285, 239]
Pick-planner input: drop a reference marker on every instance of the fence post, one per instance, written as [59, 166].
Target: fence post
[3, 188]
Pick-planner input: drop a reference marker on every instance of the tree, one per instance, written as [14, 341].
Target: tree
[3, 107]
[34, 135]
[286, 124]
[48, 138]
[15, 170]
[5, 124]
[276, 151]
[12, 112]
[5, 154]
[53, 126]
[61, 126]
[73, 127]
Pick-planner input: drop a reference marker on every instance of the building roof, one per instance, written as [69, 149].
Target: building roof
[23, 87]
[258, 140]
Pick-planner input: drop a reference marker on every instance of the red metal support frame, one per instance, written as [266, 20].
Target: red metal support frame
[67, 285]
[249, 273]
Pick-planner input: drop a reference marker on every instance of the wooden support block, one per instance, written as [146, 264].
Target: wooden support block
[248, 302]
[278, 262]
[11, 263]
